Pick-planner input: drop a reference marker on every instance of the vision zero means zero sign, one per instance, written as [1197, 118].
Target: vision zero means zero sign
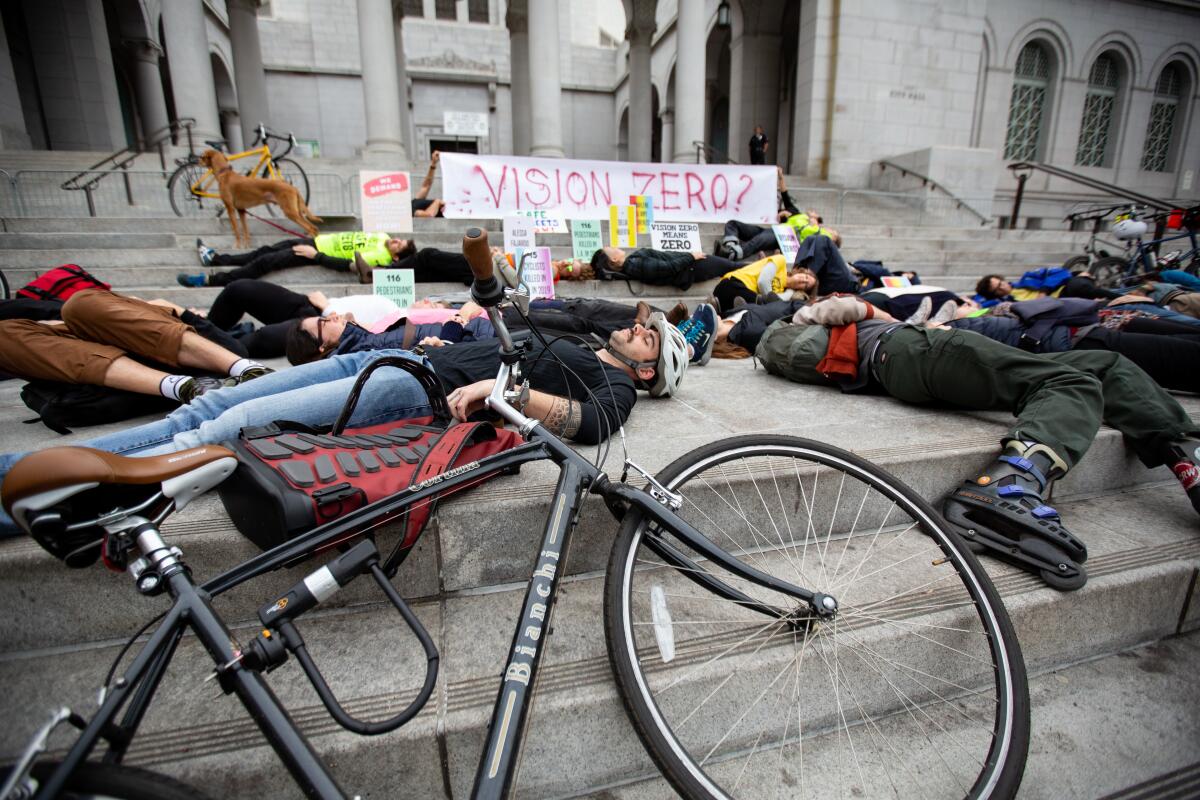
[675, 236]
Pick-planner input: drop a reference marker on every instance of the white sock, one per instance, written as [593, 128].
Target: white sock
[169, 386]
[241, 365]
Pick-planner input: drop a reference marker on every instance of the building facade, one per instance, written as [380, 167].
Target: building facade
[951, 89]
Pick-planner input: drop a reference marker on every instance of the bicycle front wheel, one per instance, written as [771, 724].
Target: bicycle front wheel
[294, 174]
[96, 780]
[1108, 271]
[184, 202]
[916, 688]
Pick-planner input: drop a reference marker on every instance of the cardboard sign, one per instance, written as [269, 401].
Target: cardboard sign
[789, 243]
[518, 234]
[645, 211]
[896, 281]
[586, 238]
[676, 237]
[536, 272]
[386, 201]
[552, 221]
[491, 187]
[622, 226]
[398, 285]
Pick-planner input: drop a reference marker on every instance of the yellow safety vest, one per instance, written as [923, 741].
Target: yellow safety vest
[373, 246]
[748, 275]
[804, 227]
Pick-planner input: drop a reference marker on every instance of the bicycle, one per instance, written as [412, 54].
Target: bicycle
[1140, 259]
[781, 616]
[193, 187]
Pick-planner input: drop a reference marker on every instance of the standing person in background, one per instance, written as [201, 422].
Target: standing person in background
[759, 144]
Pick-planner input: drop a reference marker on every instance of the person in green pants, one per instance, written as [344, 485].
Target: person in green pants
[1059, 399]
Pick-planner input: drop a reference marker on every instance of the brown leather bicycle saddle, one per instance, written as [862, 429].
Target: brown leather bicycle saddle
[59, 467]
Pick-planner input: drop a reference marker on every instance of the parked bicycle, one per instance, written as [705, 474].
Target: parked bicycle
[783, 618]
[193, 187]
[1139, 259]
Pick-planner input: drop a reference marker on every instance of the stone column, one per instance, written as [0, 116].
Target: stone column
[668, 134]
[248, 75]
[402, 77]
[381, 90]
[147, 79]
[518, 43]
[13, 133]
[191, 70]
[689, 80]
[641, 112]
[231, 129]
[545, 81]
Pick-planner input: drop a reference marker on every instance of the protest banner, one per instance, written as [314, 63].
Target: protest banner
[789, 243]
[398, 285]
[477, 186]
[386, 201]
[551, 221]
[622, 226]
[536, 272]
[585, 238]
[518, 234]
[678, 237]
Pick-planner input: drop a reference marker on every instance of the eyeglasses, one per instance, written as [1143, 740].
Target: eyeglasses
[320, 338]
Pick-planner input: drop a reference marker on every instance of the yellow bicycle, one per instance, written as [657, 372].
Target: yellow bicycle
[193, 187]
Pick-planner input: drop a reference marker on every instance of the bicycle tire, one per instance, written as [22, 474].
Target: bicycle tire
[935, 589]
[183, 201]
[1108, 272]
[4, 287]
[1077, 262]
[118, 781]
[294, 174]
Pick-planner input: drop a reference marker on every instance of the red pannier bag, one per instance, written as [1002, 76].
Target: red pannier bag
[60, 283]
[293, 477]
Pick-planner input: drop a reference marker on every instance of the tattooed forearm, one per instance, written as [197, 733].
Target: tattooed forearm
[564, 417]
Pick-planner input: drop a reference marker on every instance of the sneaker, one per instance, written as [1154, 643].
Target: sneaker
[944, 314]
[700, 332]
[252, 373]
[205, 253]
[1184, 461]
[731, 249]
[678, 313]
[191, 281]
[642, 314]
[361, 268]
[192, 388]
[922, 313]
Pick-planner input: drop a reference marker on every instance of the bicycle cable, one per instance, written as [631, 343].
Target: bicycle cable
[112, 670]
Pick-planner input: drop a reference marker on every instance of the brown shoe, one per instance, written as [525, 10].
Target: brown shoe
[678, 313]
[642, 314]
[362, 269]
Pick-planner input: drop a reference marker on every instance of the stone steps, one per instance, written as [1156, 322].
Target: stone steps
[579, 740]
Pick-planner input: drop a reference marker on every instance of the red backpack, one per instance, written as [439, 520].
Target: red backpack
[60, 283]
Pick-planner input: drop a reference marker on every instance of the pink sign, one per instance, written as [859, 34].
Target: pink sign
[498, 186]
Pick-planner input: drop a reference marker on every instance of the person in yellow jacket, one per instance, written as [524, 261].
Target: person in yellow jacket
[333, 250]
[760, 280]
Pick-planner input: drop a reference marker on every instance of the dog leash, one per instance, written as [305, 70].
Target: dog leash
[296, 234]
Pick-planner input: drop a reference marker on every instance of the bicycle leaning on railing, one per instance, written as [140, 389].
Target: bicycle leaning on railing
[193, 187]
[1140, 259]
[783, 618]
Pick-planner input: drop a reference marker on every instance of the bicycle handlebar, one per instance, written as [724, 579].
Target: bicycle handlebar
[486, 290]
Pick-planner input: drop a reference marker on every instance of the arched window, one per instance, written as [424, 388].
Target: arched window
[1027, 110]
[1092, 150]
[1162, 119]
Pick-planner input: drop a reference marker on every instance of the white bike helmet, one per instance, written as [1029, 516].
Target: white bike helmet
[1129, 228]
[672, 358]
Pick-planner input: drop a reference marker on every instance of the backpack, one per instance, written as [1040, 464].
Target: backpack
[60, 283]
[1044, 314]
[793, 351]
[1046, 279]
[62, 406]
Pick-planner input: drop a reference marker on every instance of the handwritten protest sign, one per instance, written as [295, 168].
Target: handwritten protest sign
[386, 201]
[679, 237]
[622, 226]
[645, 211]
[895, 281]
[536, 272]
[551, 221]
[789, 243]
[585, 238]
[479, 186]
[518, 234]
[398, 285]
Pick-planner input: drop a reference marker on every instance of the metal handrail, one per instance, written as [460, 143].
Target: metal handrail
[121, 158]
[931, 183]
[711, 154]
[1023, 169]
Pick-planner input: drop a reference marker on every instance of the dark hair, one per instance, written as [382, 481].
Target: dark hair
[409, 250]
[600, 262]
[985, 289]
[301, 346]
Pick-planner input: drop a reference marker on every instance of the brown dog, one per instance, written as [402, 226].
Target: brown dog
[239, 192]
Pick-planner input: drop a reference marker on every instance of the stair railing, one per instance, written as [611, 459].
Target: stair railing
[120, 160]
[1023, 169]
[926, 181]
[707, 154]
